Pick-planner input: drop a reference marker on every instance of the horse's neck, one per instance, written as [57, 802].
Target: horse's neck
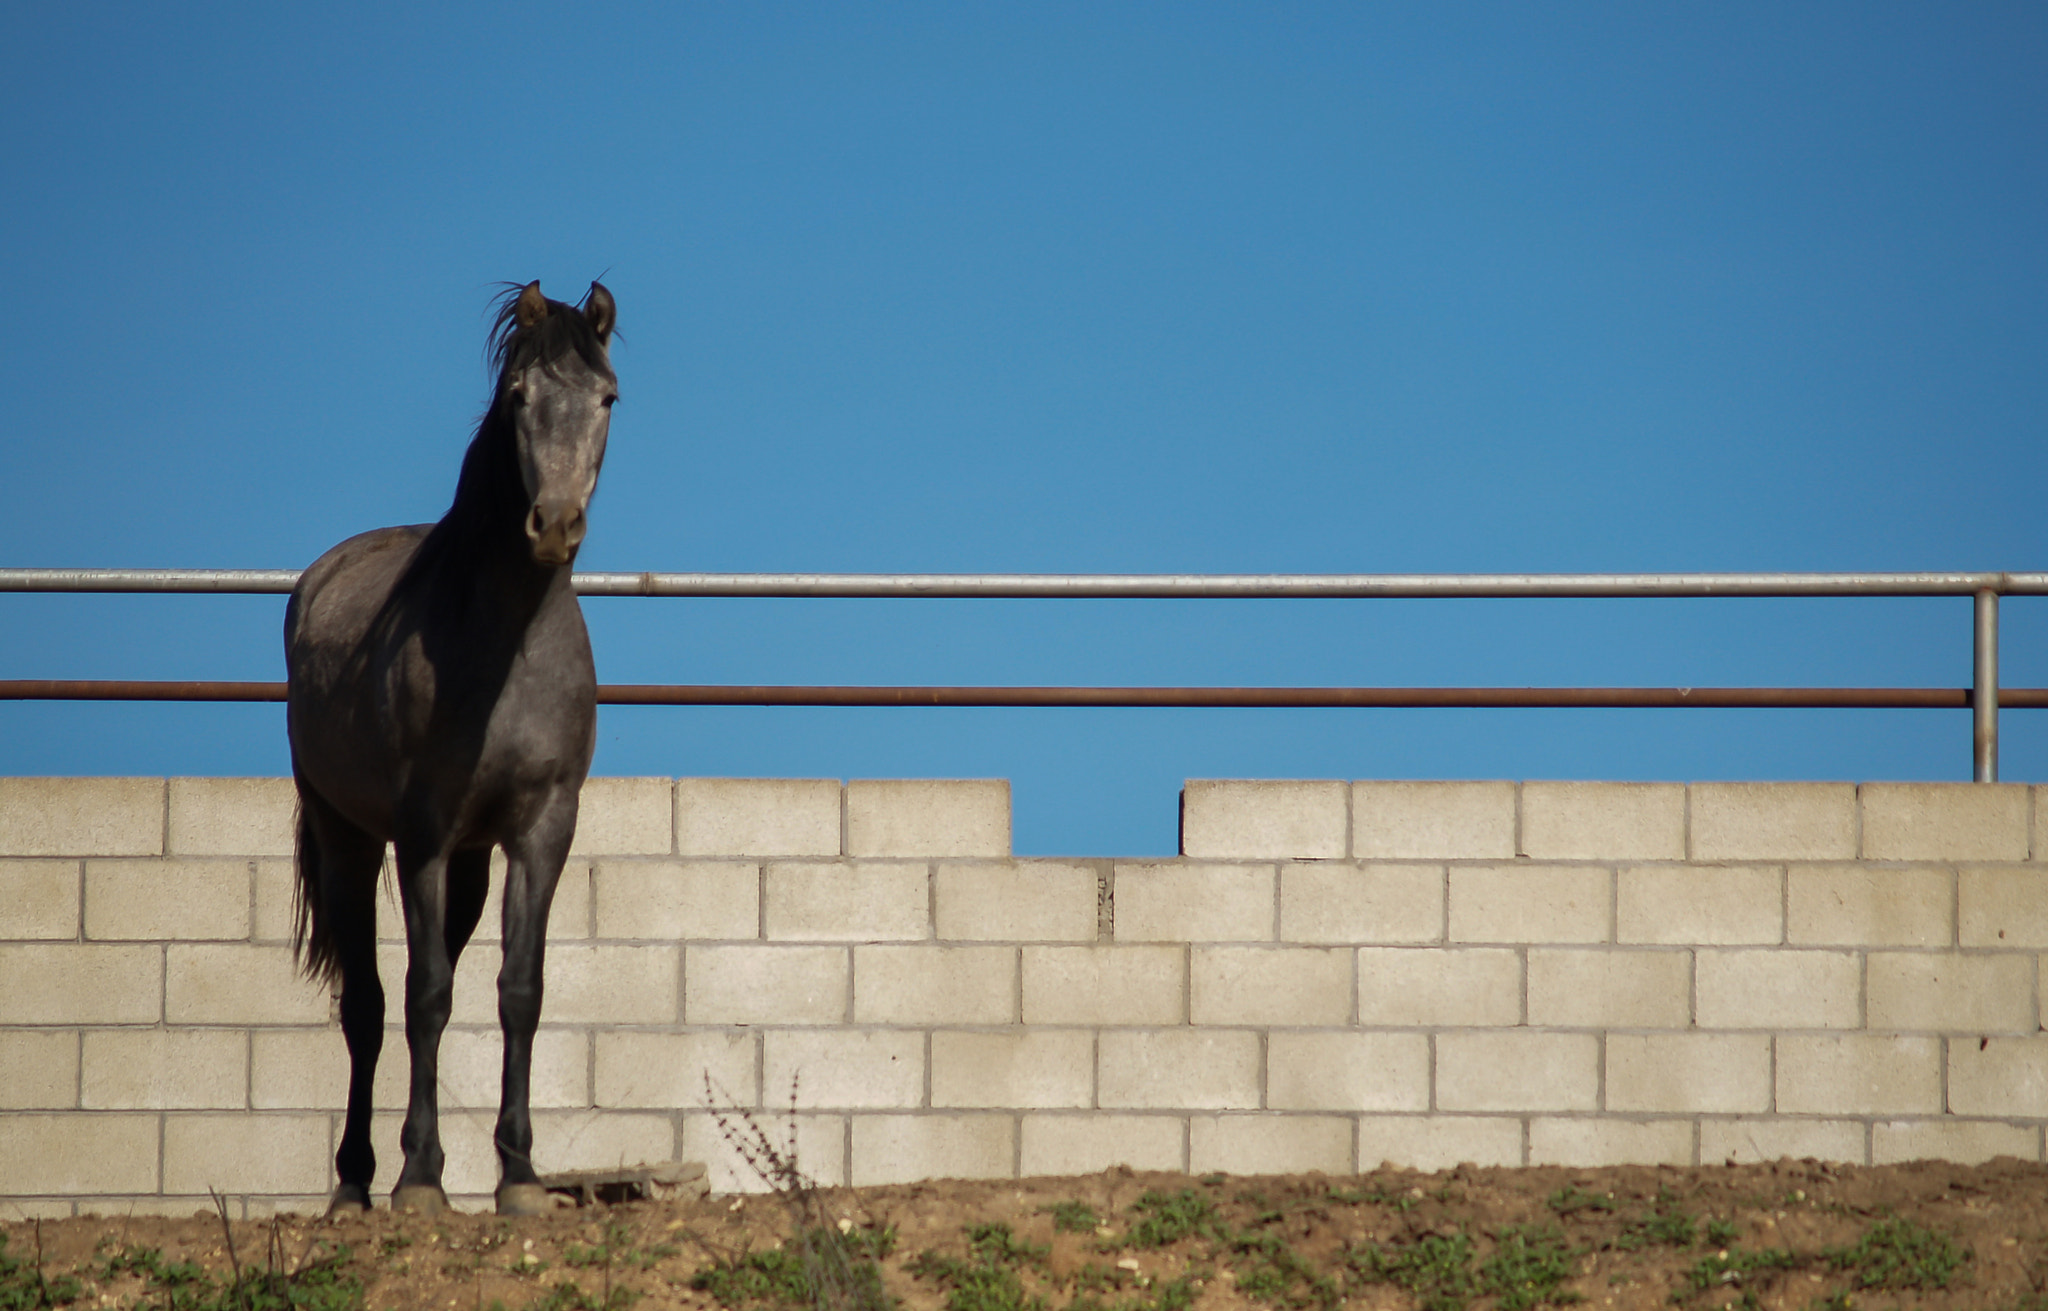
[478, 557]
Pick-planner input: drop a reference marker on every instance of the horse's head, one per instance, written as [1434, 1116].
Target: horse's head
[556, 386]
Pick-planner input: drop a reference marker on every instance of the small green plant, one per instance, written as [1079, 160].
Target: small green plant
[1898, 1254]
[1073, 1217]
[1571, 1199]
[569, 1296]
[320, 1282]
[1663, 1225]
[1164, 1219]
[1528, 1268]
[23, 1284]
[1730, 1267]
[987, 1278]
[1435, 1269]
[1270, 1271]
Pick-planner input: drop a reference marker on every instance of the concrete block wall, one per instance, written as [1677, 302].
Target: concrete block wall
[1330, 975]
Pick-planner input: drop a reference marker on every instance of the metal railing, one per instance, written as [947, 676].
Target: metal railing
[1984, 696]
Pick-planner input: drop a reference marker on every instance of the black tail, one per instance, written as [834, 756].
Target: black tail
[313, 941]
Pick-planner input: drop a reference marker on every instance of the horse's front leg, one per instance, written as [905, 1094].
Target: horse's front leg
[429, 997]
[533, 865]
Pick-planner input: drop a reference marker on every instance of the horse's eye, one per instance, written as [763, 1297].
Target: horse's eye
[610, 400]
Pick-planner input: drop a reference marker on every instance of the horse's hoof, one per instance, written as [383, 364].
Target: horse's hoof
[419, 1199]
[523, 1199]
[349, 1199]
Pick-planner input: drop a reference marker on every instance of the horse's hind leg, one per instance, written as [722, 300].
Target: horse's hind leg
[343, 862]
[533, 865]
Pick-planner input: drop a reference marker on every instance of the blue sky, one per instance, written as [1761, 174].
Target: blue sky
[1060, 288]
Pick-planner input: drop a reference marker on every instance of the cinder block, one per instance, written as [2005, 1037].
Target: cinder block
[1851, 905]
[1347, 1072]
[848, 902]
[1432, 986]
[1361, 904]
[1769, 989]
[757, 816]
[165, 1069]
[843, 1069]
[1265, 1143]
[232, 816]
[1773, 821]
[668, 1070]
[819, 1143]
[1171, 1069]
[894, 1149]
[1104, 985]
[593, 1140]
[934, 985]
[81, 816]
[271, 918]
[307, 1069]
[38, 899]
[1610, 989]
[1270, 986]
[666, 899]
[2001, 906]
[1603, 821]
[1999, 1077]
[1195, 903]
[766, 985]
[80, 983]
[1681, 1073]
[1591, 1142]
[471, 1165]
[1704, 905]
[1743, 1142]
[1517, 1070]
[1031, 1069]
[625, 817]
[1432, 821]
[182, 900]
[1965, 1142]
[38, 1069]
[1233, 819]
[1090, 1144]
[472, 1067]
[1950, 993]
[237, 983]
[1027, 901]
[601, 983]
[247, 1153]
[1944, 821]
[568, 911]
[45, 1155]
[1438, 1142]
[1858, 1074]
[928, 817]
[1531, 903]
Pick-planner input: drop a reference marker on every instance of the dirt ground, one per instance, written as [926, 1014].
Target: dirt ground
[1793, 1234]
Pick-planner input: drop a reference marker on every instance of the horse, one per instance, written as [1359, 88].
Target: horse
[441, 697]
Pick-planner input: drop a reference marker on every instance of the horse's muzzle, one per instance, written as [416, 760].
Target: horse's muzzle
[556, 529]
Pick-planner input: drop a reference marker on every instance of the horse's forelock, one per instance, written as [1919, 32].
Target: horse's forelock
[563, 329]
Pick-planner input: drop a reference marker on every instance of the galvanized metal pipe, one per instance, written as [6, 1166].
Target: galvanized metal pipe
[660, 694]
[1111, 586]
[1984, 690]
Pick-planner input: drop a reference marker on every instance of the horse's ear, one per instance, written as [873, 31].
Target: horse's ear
[532, 306]
[600, 311]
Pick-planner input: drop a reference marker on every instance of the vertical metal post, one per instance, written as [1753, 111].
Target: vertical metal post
[1984, 690]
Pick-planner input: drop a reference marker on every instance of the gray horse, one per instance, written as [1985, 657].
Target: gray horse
[442, 699]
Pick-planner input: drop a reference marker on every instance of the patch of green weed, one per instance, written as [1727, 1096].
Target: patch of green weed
[1073, 1217]
[1572, 1199]
[1730, 1267]
[23, 1285]
[1898, 1254]
[1435, 1269]
[1528, 1268]
[1166, 1218]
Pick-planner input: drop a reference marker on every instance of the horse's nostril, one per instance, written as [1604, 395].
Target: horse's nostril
[536, 523]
